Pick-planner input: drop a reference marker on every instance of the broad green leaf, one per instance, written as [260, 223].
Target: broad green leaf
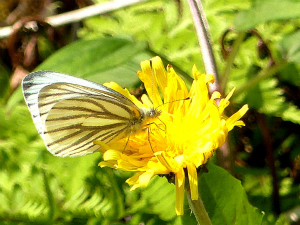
[263, 11]
[99, 60]
[225, 199]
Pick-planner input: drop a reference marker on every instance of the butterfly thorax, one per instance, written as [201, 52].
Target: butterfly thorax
[147, 116]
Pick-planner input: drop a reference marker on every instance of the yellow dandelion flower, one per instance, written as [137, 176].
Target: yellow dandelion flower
[190, 128]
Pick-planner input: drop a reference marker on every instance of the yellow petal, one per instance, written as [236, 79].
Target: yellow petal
[179, 191]
[145, 178]
[168, 162]
[103, 147]
[147, 76]
[160, 74]
[193, 180]
[110, 164]
[111, 155]
[225, 102]
[235, 117]
[215, 95]
[132, 180]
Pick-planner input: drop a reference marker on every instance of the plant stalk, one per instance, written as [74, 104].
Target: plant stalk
[230, 59]
[201, 27]
[79, 14]
[224, 154]
[197, 206]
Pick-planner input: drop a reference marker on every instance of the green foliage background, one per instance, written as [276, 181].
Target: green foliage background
[38, 188]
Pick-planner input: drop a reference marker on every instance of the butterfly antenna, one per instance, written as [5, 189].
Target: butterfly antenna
[152, 78]
[187, 98]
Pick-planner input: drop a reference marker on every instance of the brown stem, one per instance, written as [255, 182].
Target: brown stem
[261, 119]
[201, 26]
[79, 14]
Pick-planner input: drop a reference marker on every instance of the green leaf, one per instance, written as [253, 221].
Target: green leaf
[265, 97]
[290, 74]
[268, 99]
[225, 199]
[35, 185]
[290, 47]
[158, 198]
[264, 10]
[165, 25]
[99, 60]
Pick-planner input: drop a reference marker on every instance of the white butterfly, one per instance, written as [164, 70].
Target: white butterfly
[70, 113]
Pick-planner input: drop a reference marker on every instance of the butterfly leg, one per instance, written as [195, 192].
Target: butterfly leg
[148, 129]
[126, 142]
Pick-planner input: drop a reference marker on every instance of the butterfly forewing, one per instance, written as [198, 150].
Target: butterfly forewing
[33, 83]
[70, 116]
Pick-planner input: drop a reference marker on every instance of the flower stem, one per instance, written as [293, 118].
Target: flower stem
[197, 207]
[201, 26]
[229, 62]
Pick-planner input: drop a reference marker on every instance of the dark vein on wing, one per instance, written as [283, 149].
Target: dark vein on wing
[83, 140]
[82, 128]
